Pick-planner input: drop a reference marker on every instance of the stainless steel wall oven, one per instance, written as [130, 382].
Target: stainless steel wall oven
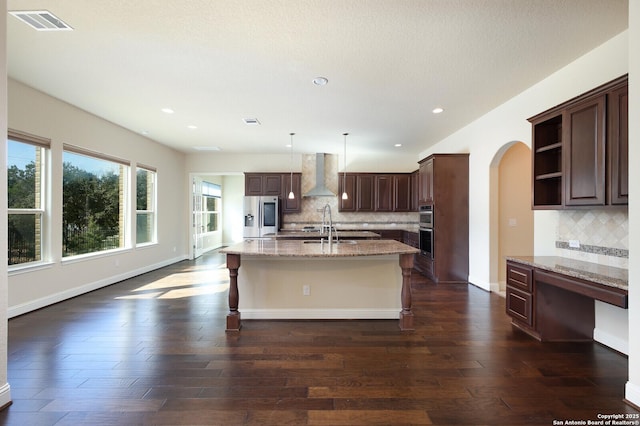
[426, 242]
[426, 231]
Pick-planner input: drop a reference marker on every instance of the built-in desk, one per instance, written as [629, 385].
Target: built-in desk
[552, 298]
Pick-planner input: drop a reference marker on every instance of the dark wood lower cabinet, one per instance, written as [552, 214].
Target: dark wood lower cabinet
[519, 295]
[555, 307]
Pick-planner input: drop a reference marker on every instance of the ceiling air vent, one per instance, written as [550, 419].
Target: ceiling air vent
[251, 121]
[41, 20]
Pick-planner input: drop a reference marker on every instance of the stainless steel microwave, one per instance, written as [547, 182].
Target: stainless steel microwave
[426, 217]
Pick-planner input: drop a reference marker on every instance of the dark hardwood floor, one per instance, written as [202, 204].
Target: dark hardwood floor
[153, 350]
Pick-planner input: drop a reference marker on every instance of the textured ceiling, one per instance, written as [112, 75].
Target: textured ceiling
[215, 62]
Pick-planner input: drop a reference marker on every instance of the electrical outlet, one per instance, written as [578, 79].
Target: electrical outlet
[513, 222]
[306, 290]
[574, 243]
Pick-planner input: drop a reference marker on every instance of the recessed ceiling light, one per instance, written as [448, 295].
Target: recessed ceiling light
[206, 148]
[398, 145]
[167, 110]
[320, 81]
[192, 126]
[251, 121]
[41, 20]
[437, 110]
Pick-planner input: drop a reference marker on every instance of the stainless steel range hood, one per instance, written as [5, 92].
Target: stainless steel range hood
[320, 190]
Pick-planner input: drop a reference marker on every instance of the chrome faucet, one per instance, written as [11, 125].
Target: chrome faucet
[324, 222]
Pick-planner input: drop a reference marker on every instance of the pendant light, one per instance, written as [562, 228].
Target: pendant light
[292, 196]
[345, 196]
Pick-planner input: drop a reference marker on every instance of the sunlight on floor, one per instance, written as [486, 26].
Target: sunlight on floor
[202, 280]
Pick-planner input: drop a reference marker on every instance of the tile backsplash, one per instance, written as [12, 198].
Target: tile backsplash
[311, 215]
[603, 235]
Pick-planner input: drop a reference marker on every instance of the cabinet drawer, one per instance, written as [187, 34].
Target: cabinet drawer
[520, 277]
[520, 305]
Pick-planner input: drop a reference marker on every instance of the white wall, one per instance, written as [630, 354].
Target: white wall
[221, 162]
[633, 386]
[5, 392]
[34, 112]
[232, 196]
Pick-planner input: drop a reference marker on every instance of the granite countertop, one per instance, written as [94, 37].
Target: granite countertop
[281, 235]
[594, 272]
[313, 248]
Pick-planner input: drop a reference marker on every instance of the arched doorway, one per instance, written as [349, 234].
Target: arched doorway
[511, 213]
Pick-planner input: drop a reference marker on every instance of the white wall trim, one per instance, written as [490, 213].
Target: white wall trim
[496, 287]
[611, 341]
[5, 395]
[319, 313]
[480, 283]
[632, 393]
[32, 305]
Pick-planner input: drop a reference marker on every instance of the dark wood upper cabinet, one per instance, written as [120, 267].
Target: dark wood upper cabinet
[402, 193]
[276, 184]
[253, 184]
[365, 198]
[347, 183]
[425, 184]
[263, 184]
[547, 184]
[619, 145]
[580, 150]
[414, 189]
[289, 181]
[384, 193]
[376, 192]
[272, 184]
[585, 153]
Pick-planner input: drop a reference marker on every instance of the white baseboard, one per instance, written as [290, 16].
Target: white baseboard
[632, 393]
[320, 313]
[5, 395]
[611, 341]
[32, 305]
[480, 283]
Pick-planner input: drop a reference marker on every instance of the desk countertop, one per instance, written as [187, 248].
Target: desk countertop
[594, 272]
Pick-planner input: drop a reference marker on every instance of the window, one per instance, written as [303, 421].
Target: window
[211, 196]
[145, 205]
[93, 195]
[26, 189]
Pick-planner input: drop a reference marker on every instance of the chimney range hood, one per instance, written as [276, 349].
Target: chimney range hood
[320, 190]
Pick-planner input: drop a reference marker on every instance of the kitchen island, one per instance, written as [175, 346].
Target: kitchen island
[312, 279]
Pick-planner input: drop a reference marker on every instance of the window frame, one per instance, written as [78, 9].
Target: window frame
[152, 206]
[123, 200]
[213, 191]
[42, 213]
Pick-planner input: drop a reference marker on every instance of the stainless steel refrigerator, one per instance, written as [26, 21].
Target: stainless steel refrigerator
[261, 216]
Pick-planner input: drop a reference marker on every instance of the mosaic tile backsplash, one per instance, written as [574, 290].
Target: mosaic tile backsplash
[603, 235]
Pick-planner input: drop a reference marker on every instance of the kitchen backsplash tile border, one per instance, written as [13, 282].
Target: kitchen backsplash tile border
[606, 251]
